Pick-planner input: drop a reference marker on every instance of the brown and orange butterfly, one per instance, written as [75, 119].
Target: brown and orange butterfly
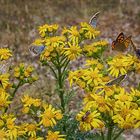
[121, 43]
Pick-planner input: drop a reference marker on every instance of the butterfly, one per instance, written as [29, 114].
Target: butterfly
[93, 20]
[116, 80]
[121, 43]
[36, 50]
[137, 51]
[85, 116]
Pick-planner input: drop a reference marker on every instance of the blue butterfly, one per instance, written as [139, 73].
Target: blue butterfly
[36, 50]
[93, 20]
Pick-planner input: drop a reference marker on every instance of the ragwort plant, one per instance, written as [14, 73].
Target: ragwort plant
[107, 108]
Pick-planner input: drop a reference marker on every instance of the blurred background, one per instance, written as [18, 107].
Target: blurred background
[19, 21]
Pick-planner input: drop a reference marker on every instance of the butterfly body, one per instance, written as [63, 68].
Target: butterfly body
[93, 20]
[85, 116]
[36, 50]
[121, 43]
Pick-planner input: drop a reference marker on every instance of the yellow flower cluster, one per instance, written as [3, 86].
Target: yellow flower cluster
[95, 47]
[4, 80]
[4, 99]
[22, 72]
[41, 114]
[55, 136]
[88, 31]
[69, 43]
[89, 77]
[50, 115]
[28, 102]
[114, 103]
[5, 53]
[121, 64]
[45, 29]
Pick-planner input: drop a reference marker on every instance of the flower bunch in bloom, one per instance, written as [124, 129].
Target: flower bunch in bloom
[122, 64]
[5, 54]
[40, 114]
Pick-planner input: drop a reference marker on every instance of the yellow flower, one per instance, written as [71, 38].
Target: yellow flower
[123, 109]
[94, 47]
[55, 136]
[74, 34]
[38, 42]
[93, 77]
[88, 31]
[3, 134]
[123, 96]
[45, 29]
[28, 101]
[55, 41]
[49, 116]
[137, 66]
[28, 71]
[4, 80]
[73, 51]
[5, 53]
[89, 49]
[94, 63]
[32, 129]
[136, 114]
[89, 121]
[25, 109]
[126, 123]
[4, 99]
[65, 31]
[12, 128]
[101, 43]
[118, 66]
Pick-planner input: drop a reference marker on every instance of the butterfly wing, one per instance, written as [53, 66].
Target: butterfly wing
[127, 41]
[36, 50]
[116, 80]
[118, 44]
[93, 20]
[120, 38]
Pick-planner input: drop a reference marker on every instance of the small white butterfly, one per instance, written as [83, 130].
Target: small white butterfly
[93, 20]
[36, 50]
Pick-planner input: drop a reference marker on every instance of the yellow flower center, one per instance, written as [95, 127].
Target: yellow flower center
[31, 127]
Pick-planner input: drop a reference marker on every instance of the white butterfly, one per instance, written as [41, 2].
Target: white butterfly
[93, 20]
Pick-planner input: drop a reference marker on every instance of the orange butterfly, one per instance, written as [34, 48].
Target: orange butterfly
[121, 43]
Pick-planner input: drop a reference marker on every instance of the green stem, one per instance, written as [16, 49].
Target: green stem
[13, 94]
[61, 91]
[118, 134]
[51, 69]
[110, 130]
[60, 83]
[102, 134]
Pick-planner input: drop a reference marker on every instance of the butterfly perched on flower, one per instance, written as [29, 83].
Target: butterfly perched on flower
[36, 50]
[93, 20]
[117, 80]
[121, 43]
